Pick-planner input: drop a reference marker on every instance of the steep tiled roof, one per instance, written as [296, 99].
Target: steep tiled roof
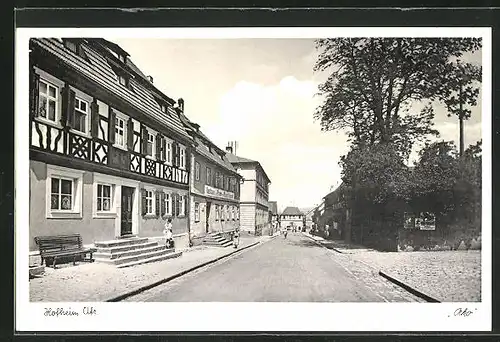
[98, 70]
[291, 211]
[213, 156]
[273, 207]
[236, 159]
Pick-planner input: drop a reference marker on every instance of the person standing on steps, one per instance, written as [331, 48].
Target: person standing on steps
[167, 231]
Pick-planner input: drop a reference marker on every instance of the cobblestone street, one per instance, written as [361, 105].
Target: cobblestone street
[295, 269]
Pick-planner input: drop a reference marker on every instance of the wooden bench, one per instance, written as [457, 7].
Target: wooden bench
[62, 246]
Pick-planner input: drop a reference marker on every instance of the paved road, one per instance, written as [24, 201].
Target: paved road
[295, 269]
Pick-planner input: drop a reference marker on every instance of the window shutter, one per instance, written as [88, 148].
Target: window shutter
[187, 157]
[35, 91]
[68, 104]
[157, 203]
[130, 134]
[159, 140]
[111, 125]
[176, 204]
[144, 204]
[94, 117]
[162, 204]
[186, 202]
[174, 154]
[144, 136]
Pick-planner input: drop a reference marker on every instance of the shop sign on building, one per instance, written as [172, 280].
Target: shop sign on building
[218, 192]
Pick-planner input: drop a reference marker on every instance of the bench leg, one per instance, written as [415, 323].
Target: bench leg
[54, 263]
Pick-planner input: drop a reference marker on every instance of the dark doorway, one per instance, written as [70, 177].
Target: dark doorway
[127, 206]
[207, 227]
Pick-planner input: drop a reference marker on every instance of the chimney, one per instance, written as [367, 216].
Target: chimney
[150, 78]
[180, 103]
[229, 147]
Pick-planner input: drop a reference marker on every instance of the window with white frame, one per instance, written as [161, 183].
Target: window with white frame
[168, 204]
[209, 175]
[48, 101]
[151, 145]
[182, 205]
[150, 202]
[182, 158]
[120, 131]
[104, 197]
[81, 115]
[196, 212]
[167, 151]
[62, 194]
[197, 171]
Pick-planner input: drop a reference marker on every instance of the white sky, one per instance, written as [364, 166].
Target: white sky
[260, 92]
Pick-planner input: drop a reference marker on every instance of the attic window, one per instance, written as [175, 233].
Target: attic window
[122, 58]
[163, 108]
[71, 45]
[123, 81]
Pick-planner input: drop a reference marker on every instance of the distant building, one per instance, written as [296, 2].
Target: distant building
[292, 217]
[273, 212]
[254, 195]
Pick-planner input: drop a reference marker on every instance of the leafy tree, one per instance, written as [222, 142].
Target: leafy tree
[460, 92]
[373, 81]
[376, 173]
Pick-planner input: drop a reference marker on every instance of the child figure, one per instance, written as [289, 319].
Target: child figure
[236, 238]
[167, 231]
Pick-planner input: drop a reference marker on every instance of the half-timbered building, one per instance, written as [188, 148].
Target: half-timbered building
[109, 156]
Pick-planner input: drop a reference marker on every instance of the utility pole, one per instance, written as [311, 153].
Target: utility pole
[461, 121]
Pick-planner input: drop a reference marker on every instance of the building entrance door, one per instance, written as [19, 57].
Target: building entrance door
[207, 227]
[127, 206]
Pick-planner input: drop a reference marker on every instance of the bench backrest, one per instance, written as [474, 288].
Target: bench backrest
[58, 242]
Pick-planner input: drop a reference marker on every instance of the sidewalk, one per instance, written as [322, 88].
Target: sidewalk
[340, 245]
[96, 282]
[447, 276]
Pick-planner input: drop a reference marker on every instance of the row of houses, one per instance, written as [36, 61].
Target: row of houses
[111, 156]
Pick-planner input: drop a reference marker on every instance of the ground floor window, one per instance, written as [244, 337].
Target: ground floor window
[104, 197]
[168, 204]
[63, 192]
[196, 212]
[149, 194]
[182, 205]
[217, 214]
[61, 197]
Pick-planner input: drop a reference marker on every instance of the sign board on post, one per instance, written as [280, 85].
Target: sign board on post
[409, 221]
[426, 221]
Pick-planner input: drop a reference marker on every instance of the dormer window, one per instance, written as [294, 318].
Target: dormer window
[122, 58]
[71, 45]
[122, 80]
[163, 108]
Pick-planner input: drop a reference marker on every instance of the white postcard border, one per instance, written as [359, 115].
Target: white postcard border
[183, 317]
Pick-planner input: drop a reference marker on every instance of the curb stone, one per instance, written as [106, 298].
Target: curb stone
[177, 275]
[390, 278]
[322, 245]
[408, 288]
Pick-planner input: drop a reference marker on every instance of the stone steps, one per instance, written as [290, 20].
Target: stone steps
[216, 239]
[152, 259]
[152, 247]
[132, 251]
